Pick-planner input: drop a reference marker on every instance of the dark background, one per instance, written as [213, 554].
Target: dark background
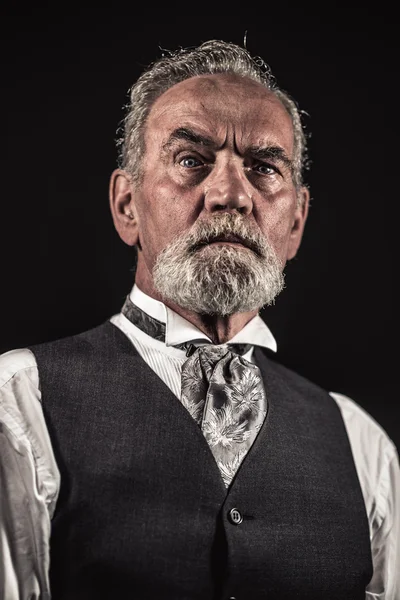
[63, 268]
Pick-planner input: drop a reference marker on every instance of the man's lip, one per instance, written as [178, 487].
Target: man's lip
[227, 242]
[224, 239]
[229, 239]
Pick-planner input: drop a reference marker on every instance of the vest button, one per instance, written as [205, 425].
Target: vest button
[235, 516]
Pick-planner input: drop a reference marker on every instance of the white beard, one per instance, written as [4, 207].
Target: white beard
[219, 279]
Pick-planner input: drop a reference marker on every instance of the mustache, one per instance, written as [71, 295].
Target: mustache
[229, 228]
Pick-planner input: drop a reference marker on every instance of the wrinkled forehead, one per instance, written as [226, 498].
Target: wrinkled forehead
[225, 106]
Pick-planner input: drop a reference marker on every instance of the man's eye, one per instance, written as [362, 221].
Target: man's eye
[190, 162]
[265, 169]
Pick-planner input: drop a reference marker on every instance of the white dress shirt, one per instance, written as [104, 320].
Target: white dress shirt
[30, 480]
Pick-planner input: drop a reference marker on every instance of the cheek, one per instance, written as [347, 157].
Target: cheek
[176, 203]
[276, 223]
[154, 205]
[163, 214]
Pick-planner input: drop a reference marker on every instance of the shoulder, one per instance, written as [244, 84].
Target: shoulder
[95, 341]
[20, 363]
[368, 439]
[362, 422]
[19, 389]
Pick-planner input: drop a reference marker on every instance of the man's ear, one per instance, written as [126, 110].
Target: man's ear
[299, 221]
[122, 207]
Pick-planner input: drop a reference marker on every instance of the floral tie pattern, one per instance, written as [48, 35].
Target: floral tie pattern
[225, 395]
[222, 391]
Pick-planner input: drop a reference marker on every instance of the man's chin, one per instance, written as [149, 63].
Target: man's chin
[220, 278]
[214, 301]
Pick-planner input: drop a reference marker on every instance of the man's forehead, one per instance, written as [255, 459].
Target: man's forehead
[216, 103]
[208, 91]
[216, 82]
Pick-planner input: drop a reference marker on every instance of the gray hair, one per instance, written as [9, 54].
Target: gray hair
[209, 58]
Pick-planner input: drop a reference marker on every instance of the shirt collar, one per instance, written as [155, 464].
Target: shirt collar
[179, 330]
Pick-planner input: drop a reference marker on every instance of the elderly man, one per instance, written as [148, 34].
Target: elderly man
[165, 453]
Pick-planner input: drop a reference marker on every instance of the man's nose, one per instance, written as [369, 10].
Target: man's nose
[229, 189]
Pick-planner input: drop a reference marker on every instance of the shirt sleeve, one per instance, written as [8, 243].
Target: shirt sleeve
[385, 542]
[29, 481]
[377, 464]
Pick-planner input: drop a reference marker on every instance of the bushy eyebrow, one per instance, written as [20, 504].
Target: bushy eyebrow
[188, 135]
[271, 153]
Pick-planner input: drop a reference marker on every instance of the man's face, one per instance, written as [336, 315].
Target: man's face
[216, 144]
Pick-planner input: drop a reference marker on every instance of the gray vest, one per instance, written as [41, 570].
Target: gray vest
[143, 512]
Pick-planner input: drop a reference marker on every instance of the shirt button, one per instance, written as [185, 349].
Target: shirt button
[235, 516]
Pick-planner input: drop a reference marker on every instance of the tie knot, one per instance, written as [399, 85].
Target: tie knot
[208, 355]
[213, 353]
[216, 352]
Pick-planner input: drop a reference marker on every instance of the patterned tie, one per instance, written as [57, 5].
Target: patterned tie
[225, 395]
[222, 391]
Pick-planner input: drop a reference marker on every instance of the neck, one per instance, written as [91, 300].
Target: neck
[219, 329]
